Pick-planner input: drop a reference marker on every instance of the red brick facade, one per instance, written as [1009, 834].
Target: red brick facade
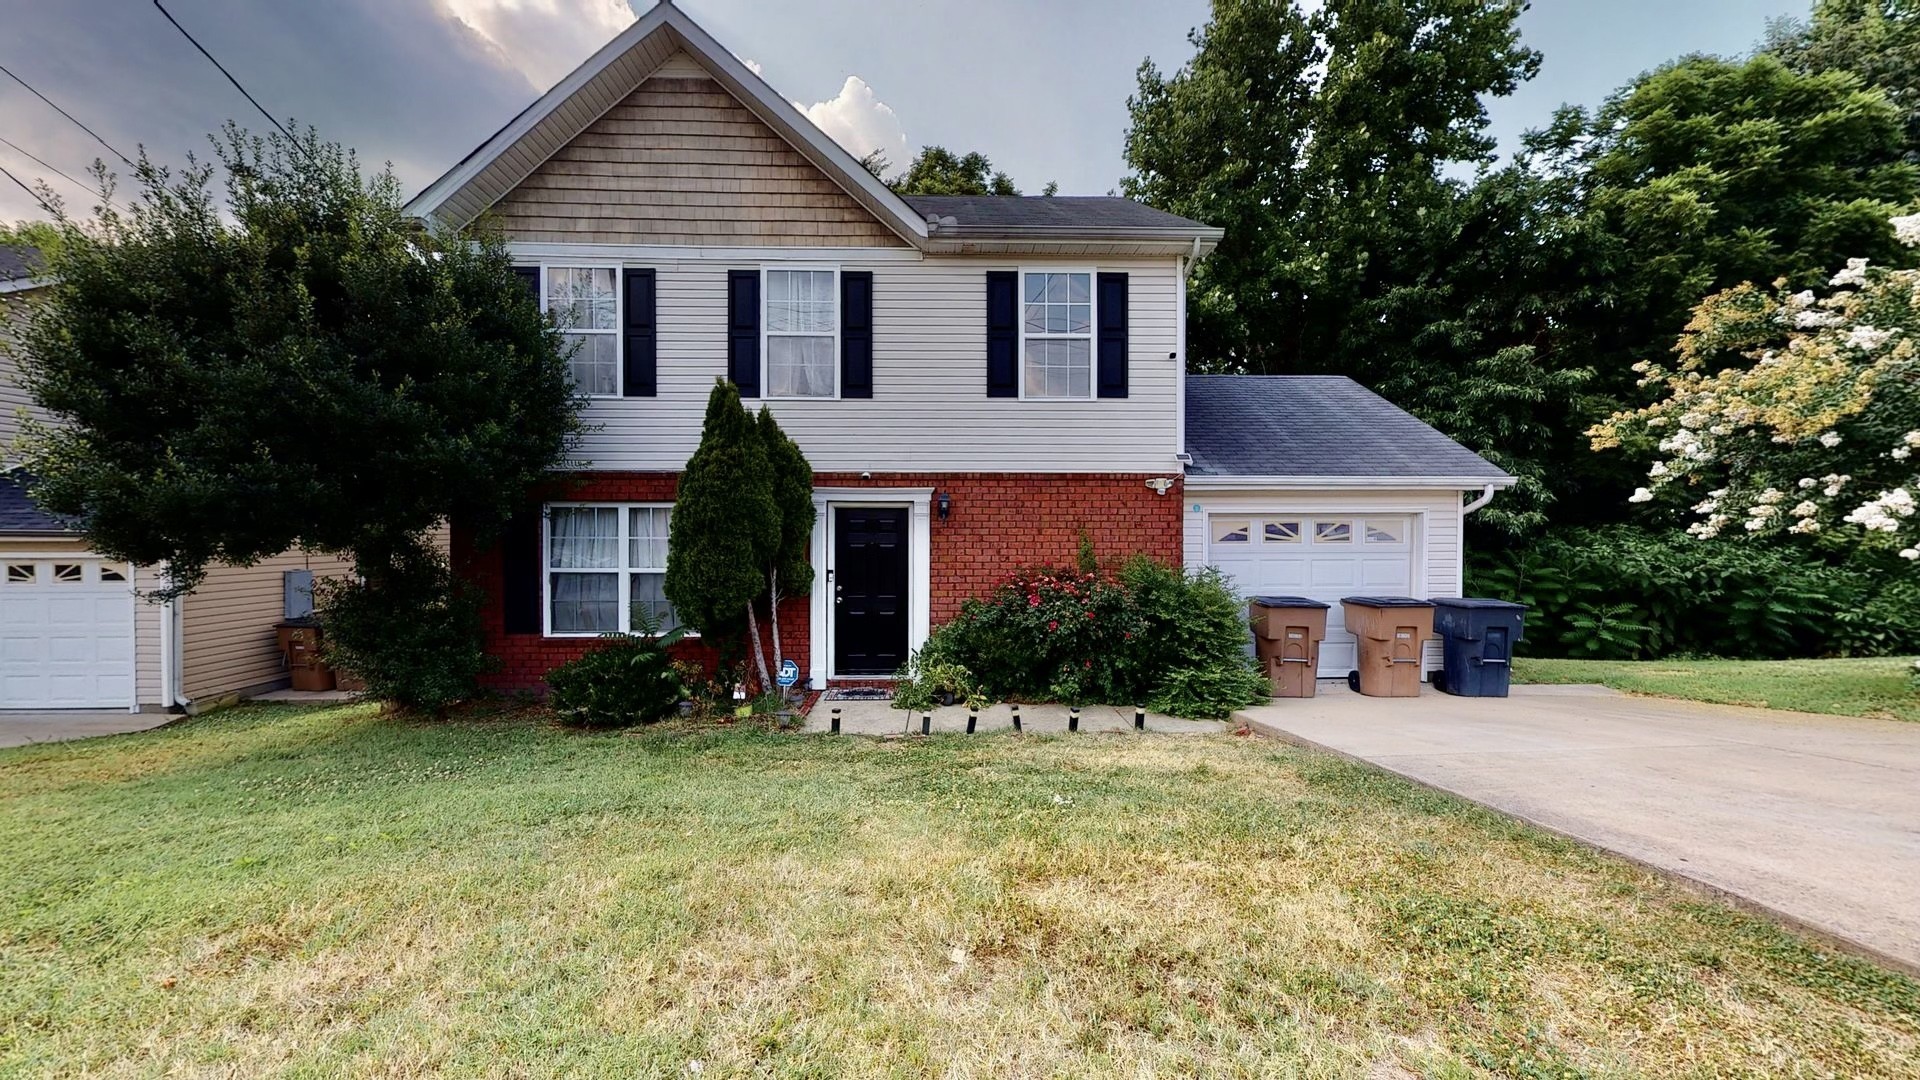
[999, 523]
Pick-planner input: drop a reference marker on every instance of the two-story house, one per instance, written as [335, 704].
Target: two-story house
[976, 381]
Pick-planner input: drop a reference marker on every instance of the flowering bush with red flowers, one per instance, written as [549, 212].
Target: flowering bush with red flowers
[1149, 634]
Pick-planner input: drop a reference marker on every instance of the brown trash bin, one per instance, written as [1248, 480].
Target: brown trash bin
[1287, 631]
[300, 644]
[1389, 634]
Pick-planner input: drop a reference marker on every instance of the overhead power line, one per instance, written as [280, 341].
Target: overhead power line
[68, 115]
[223, 70]
[23, 187]
[24, 152]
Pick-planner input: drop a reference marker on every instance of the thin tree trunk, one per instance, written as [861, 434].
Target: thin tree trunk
[773, 615]
[759, 654]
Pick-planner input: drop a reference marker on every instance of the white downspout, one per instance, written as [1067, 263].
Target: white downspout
[1486, 496]
[1180, 357]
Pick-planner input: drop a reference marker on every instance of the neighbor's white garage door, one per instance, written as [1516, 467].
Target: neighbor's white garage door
[1321, 556]
[66, 634]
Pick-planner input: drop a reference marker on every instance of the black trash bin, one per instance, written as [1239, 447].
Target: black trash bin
[1477, 638]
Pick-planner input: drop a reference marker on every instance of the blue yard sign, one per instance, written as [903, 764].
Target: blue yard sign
[789, 673]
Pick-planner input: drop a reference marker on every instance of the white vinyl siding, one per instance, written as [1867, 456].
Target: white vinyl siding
[1433, 516]
[929, 411]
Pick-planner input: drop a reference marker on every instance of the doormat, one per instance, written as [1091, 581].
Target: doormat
[857, 693]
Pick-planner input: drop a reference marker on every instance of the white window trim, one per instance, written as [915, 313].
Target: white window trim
[619, 315]
[1092, 335]
[623, 571]
[839, 320]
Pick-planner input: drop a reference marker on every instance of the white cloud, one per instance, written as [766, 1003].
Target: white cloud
[752, 65]
[542, 39]
[860, 122]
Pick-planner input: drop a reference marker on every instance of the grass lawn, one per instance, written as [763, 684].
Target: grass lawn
[1873, 687]
[326, 892]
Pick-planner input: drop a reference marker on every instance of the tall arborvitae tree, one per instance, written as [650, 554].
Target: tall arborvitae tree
[789, 571]
[726, 527]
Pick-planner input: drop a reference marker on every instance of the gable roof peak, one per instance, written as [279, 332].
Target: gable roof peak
[498, 165]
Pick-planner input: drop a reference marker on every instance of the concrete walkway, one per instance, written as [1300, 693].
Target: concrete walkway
[1813, 818]
[881, 718]
[20, 728]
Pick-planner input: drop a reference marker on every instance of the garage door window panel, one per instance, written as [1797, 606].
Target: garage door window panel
[1381, 531]
[1281, 532]
[1333, 532]
[1232, 530]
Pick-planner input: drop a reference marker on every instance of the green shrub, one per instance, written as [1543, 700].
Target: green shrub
[1150, 634]
[628, 679]
[1623, 593]
[410, 632]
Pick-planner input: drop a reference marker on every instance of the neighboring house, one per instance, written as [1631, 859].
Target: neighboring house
[74, 634]
[977, 382]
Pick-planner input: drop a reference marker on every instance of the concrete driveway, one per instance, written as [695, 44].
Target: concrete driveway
[1814, 818]
[18, 727]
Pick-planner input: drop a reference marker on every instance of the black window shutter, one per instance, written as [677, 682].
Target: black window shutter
[856, 334]
[743, 330]
[640, 344]
[520, 570]
[1112, 336]
[1003, 333]
[530, 277]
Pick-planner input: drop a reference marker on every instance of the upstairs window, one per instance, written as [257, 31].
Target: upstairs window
[1056, 331]
[584, 302]
[802, 332]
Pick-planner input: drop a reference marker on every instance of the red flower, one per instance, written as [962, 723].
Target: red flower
[1054, 625]
[1086, 663]
[1033, 599]
[1128, 635]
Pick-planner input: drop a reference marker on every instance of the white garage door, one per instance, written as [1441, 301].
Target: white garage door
[1321, 556]
[66, 634]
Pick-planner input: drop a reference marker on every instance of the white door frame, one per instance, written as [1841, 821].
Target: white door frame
[919, 505]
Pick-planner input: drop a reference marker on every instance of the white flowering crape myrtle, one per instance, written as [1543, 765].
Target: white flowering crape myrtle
[1792, 412]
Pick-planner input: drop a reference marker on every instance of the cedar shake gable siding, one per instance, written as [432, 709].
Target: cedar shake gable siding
[681, 162]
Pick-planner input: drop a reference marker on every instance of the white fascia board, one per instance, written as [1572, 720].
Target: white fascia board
[20, 285]
[1345, 483]
[673, 253]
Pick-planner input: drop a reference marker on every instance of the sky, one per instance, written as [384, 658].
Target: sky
[1040, 87]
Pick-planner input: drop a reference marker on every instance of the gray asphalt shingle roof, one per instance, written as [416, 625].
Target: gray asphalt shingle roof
[1314, 425]
[18, 263]
[18, 514]
[1046, 212]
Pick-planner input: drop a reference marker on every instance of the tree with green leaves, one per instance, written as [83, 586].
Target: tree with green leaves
[296, 366]
[1322, 142]
[939, 171]
[790, 570]
[726, 527]
[1876, 40]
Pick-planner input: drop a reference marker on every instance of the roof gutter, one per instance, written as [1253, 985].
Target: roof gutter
[1486, 496]
[1346, 483]
[1194, 242]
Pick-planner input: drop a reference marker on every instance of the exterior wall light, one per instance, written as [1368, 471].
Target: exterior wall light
[943, 503]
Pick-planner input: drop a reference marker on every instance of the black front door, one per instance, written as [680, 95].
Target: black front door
[869, 589]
